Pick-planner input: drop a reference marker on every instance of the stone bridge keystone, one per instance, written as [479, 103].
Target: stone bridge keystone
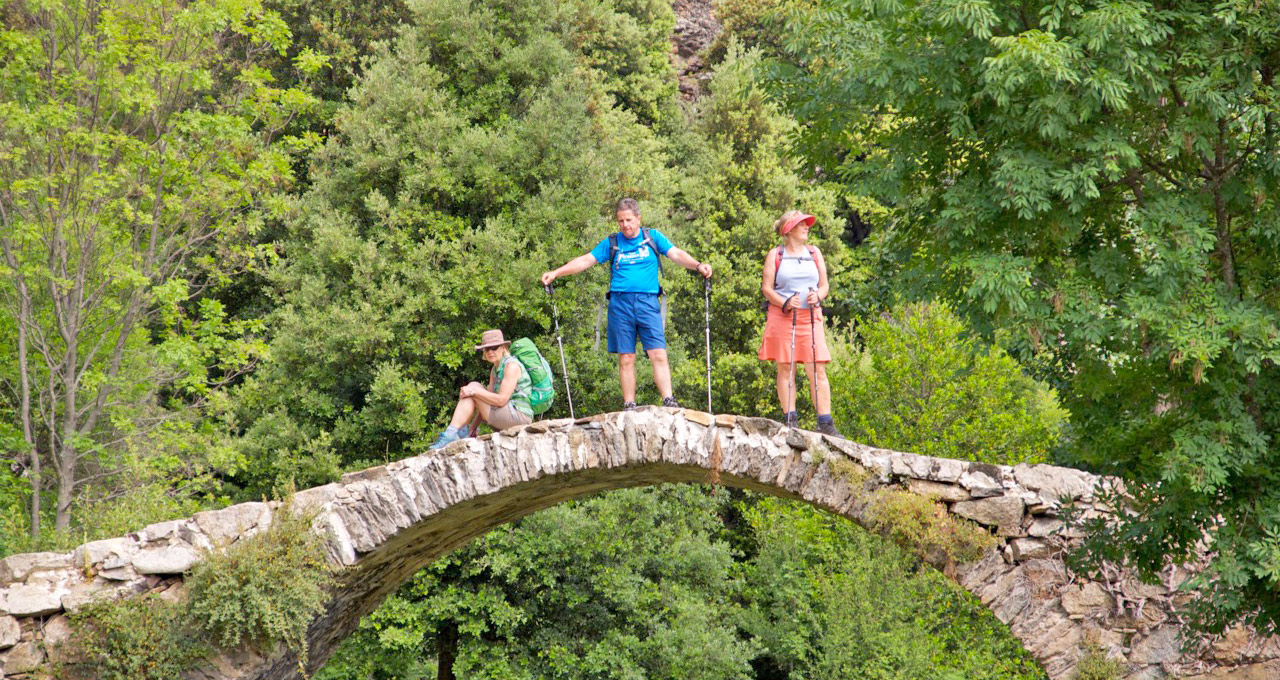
[383, 524]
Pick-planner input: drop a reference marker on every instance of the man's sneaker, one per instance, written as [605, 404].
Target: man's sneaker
[670, 402]
[628, 406]
[829, 428]
[791, 419]
[446, 438]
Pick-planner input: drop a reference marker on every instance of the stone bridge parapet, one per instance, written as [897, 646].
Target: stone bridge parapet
[383, 524]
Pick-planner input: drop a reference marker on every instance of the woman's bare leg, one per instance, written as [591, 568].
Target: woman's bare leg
[786, 395]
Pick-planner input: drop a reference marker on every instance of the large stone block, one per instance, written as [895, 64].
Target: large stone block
[1163, 645]
[18, 567]
[1000, 511]
[1029, 549]
[98, 552]
[25, 657]
[10, 633]
[34, 600]
[982, 480]
[1086, 599]
[170, 559]
[56, 630]
[943, 492]
[233, 523]
[1055, 482]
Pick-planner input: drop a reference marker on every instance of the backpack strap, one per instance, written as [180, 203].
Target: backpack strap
[648, 241]
[613, 255]
[813, 253]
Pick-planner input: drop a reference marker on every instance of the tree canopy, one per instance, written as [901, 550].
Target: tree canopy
[1095, 185]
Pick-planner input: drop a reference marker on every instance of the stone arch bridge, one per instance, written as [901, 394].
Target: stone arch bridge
[383, 524]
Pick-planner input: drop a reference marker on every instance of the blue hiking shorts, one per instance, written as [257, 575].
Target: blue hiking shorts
[635, 315]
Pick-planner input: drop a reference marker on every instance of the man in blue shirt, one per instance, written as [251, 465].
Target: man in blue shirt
[634, 309]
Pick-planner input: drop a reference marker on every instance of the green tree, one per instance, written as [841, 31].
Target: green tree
[739, 176]
[125, 179]
[1099, 181]
[922, 384]
[828, 600]
[629, 584]
[479, 147]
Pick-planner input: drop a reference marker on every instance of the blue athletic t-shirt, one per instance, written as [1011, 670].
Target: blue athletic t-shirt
[636, 268]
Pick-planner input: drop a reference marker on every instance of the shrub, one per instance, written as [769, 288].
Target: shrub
[1096, 666]
[261, 592]
[922, 384]
[922, 525]
[266, 590]
[136, 639]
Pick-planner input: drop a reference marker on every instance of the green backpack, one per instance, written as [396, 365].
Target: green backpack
[544, 390]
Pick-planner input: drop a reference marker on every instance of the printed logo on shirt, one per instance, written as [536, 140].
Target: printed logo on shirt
[634, 256]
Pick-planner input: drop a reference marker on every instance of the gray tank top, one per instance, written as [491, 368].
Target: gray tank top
[796, 275]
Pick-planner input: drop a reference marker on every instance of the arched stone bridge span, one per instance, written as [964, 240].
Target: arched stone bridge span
[383, 524]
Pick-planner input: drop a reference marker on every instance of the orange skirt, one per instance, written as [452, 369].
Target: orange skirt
[776, 344]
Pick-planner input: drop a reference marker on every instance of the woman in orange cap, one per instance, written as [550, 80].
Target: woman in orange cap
[794, 283]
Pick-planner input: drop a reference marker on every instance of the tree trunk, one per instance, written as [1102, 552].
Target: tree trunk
[446, 650]
[25, 321]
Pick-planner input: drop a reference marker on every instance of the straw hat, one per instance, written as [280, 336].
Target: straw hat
[491, 338]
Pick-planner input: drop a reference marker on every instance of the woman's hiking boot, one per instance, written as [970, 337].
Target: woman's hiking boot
[628, 406]
[827, 426]
[670, 402]
[449, 436]
[791, 419]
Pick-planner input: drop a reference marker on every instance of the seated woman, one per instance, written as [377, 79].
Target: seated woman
[507, 407]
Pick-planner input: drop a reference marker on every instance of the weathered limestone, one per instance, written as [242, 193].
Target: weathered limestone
[383, 524]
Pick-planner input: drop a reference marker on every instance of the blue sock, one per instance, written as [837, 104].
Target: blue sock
[825, 419]
[793, 414]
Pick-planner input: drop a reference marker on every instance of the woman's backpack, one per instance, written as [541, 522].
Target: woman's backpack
[544, 390]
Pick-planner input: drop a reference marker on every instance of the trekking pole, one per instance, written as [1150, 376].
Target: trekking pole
[707, 297]
[560, 342]
[813, 354]
[793, 361]
[715, 458]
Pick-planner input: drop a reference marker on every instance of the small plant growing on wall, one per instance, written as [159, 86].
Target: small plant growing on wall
[262, 592]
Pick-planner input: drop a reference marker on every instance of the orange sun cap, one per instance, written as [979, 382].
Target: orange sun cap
[791, 219]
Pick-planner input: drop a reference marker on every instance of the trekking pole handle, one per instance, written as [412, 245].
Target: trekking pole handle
[550, 290]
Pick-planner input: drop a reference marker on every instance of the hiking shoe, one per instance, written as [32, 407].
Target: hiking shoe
[791, 419]
[829, 428]
[628, 406]
[446, 438]
[670, 402]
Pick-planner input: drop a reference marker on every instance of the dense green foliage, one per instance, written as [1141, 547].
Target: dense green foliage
[1096, 182]
[143, 638]
[652, 583]
[262, 592]
[921, 384]
[135, 154]
[827, 600]
[630, 585]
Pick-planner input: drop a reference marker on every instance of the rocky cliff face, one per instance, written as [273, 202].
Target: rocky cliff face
[696, 27]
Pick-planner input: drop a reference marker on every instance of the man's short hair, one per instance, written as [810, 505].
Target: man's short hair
[627, 204]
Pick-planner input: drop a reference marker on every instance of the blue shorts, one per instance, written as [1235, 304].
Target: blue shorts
[633, 315]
